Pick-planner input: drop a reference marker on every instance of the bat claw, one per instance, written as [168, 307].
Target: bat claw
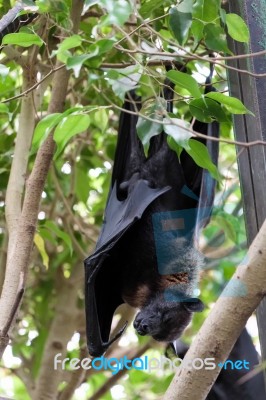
[118, 335]
[97, 350]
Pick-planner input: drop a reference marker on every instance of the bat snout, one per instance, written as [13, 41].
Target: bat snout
[144, 325]
[141, 325]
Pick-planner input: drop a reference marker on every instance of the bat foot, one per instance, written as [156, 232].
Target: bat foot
[118, 335]
[97, 350]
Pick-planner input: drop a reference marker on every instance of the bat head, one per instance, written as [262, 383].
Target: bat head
[166, 321]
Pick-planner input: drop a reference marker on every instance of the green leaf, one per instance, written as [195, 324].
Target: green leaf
[215, 38]
[47, 235]
[59, 11]
[147, 129]
[4, 109]
[229, 224]
[70, 126]
[128, 79]
[222, 13]
[102, 46]
[23, 39]
[43, 129]
[174, 146]
[150, 5]
[206, 10]
[200, 154]
[179, 131]
[197, 28]
[205, 110]
[185, 81]
[39, 243]
[200, 110]
[82, 185]
[180, 21]
[237, 28]
[6, 143]
[63, 52]
[113, 74]
[76, 62]
[95, 50]
[118, 12]
[59, 233]
[233, 105]
[185, 6]
[100, 119]
[70, 43]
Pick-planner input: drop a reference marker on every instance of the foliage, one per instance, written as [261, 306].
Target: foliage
[120, 45]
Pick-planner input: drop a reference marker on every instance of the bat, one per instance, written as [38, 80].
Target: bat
[145, 255]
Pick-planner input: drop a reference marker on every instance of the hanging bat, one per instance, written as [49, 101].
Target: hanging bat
[145, 255]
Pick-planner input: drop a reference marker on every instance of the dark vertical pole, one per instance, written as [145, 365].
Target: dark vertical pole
[252, 91]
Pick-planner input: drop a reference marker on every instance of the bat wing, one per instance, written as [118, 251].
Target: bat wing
[201, 183]
[102, 290]
[208, 183]
[129, 194]
[120, 215]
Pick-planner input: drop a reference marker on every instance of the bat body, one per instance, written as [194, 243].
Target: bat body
[145, 254]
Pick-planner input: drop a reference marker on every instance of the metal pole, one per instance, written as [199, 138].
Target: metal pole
[252, 91]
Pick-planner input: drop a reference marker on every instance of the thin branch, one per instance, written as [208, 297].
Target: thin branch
[150, 63]
[25, 92]
[194, 134]
[143, 25]
[191, 58]
[146, 24]
[82, 253]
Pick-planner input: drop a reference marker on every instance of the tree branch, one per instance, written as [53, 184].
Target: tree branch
[24, 224]
[60, 333]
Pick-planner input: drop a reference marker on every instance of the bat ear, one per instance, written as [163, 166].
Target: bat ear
[194, 305]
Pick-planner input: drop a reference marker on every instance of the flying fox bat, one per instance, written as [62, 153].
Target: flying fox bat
[145, 255]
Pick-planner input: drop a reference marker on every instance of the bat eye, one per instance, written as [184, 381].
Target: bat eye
[166, 319]
[195, 305]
